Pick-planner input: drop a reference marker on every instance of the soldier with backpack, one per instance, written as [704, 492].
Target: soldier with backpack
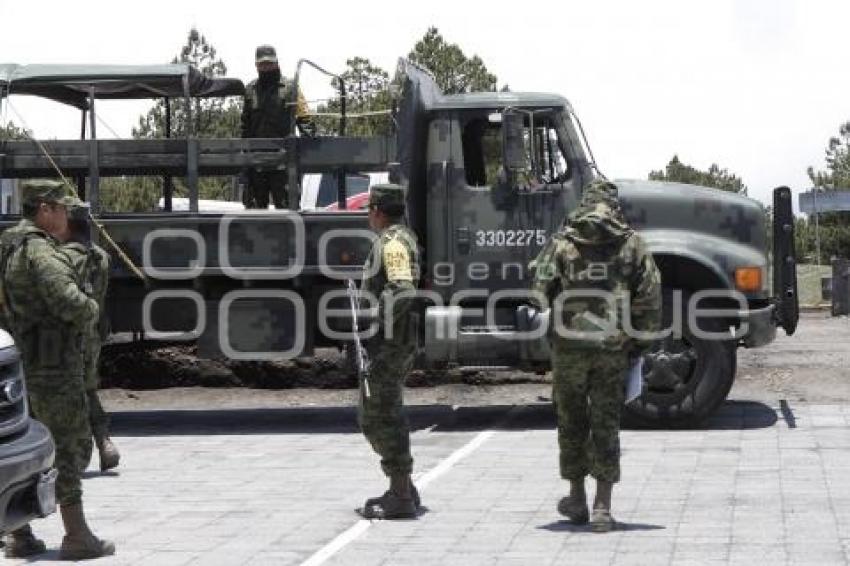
[601, 282]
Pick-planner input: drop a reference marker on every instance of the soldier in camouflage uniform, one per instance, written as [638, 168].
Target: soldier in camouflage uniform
[595, 251]
[391, 275]
[48, 316]
[91, 264]
[268, 112]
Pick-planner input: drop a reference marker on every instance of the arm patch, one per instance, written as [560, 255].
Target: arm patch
[397, 261]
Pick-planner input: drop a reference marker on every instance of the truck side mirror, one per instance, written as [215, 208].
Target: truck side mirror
[513, 149]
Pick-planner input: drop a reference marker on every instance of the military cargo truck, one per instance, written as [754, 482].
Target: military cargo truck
[490, 177]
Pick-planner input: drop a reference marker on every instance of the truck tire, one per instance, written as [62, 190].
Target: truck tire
[685, 379]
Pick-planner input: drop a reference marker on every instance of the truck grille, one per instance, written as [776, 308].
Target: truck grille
[13, 395]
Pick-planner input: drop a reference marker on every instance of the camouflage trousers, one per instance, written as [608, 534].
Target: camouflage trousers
[381, 415]
[61, 403]
[98, 419]
[263, 183]
[588, 394]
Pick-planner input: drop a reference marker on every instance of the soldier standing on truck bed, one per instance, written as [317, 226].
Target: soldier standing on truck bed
[269, 113]
[48, 316]
[595, 270]
[91, 264]
[391, 275]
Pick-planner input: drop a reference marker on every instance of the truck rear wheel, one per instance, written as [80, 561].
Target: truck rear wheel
[686, 377]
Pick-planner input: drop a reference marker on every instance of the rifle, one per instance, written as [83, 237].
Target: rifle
[363, 365]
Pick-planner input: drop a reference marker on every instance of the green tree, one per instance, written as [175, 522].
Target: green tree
[453, 70]
[367, 90]
[10, 131]
[211, 118]
[715, 176]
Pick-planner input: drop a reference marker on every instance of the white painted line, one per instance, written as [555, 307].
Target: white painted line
[338, 543]
[360, 527]
[456, 456]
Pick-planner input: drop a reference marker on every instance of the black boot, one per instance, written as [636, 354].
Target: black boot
[574, 506]
[398, 502]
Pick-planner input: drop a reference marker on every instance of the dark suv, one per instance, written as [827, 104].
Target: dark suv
[27, 476]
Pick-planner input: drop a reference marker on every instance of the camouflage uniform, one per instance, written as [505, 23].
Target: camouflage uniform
[91, 265]
[588, 364]
[48, 316]
[267, 113]
[394, 260]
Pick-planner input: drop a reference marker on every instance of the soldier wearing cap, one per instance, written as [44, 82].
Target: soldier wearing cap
[271, 110]
[91, 265]
[48, 315]
[390, 279]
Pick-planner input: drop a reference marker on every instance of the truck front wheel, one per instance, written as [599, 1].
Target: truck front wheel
[686, 377]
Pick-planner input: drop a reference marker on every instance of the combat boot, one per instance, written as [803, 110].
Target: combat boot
[108, 452]
[79, 542]
[601, 520]
[22, 544]
[574, 506]
[399, 502]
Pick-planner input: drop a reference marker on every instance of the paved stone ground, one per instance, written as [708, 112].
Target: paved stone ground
[760, 484]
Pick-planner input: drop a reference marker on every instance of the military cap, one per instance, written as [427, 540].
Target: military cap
[386, 195]
[48, 190]
[265, 54]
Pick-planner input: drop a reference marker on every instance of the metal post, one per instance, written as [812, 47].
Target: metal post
[341, 189]
[191, 150]
[167, 180]
[342, 107]
[94, 158]
[817, 226]
[81, 179]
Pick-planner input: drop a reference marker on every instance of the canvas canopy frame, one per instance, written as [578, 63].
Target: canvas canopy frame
[80, 86]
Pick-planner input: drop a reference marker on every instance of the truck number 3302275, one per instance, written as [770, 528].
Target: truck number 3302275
[509, 238]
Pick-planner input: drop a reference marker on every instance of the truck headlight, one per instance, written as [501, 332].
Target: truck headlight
[748, 279]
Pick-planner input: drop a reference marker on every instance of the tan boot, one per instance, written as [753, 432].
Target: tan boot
[79, 542]
[22, 544]
[601, 520]
[108, 452]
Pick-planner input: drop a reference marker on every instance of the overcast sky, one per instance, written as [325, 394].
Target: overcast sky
[757, 86]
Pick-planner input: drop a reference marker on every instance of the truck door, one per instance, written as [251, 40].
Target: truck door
[492, 230]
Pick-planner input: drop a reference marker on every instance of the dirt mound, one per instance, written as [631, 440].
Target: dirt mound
[137, 367]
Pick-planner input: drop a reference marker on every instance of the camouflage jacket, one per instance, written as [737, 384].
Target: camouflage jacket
[267, 112]
[608, 283]
[46, 310]
[391, 276]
